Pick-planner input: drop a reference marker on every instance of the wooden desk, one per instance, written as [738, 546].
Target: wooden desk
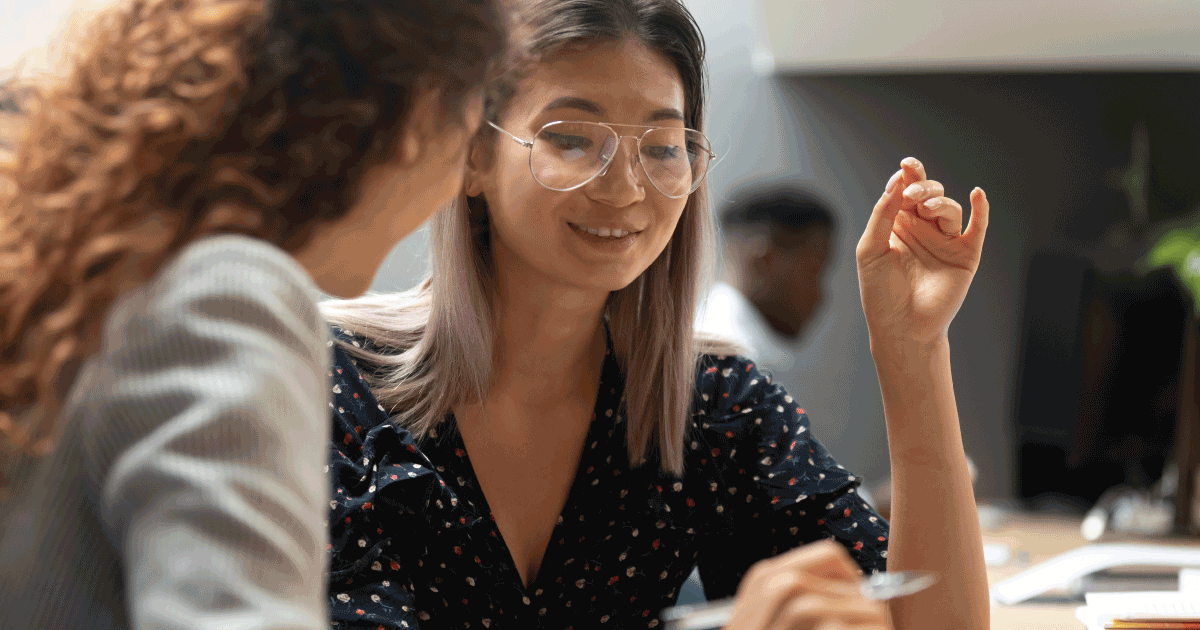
[1042, 538]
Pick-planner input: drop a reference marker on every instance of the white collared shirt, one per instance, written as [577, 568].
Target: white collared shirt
[727, 312]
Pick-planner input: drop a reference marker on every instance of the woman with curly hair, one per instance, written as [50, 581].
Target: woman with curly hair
[174, 204]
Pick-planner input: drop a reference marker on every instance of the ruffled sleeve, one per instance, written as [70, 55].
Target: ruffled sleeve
[378, 516]
[786, 489]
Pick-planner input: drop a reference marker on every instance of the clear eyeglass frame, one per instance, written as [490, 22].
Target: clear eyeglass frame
[529, 144]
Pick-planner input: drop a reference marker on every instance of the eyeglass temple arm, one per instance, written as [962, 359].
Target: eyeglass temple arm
[715, 161]
[525, 143]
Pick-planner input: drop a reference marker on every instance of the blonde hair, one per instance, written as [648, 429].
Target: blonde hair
[431, 348]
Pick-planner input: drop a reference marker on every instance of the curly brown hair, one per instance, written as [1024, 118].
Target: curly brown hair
[185, 118]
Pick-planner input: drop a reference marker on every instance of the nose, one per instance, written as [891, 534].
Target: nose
[620, 183]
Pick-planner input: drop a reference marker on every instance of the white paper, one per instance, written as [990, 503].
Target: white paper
[1102, 608]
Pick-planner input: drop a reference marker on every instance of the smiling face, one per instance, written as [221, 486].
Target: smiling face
[567, 238]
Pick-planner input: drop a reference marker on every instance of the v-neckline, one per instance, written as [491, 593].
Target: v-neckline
[450, 423]
[568, 507]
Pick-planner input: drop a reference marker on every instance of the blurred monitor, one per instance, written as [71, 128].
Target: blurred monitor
[1099, 385]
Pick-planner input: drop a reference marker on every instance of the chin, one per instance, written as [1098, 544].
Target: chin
[341, 287]
[611, 281]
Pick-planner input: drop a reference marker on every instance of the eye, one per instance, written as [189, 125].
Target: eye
[566, 142]
[662, 152]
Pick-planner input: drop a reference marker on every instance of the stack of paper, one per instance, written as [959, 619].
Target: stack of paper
[1174, 610]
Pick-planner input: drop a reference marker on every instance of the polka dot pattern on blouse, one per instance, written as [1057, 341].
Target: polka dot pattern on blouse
[414, 545]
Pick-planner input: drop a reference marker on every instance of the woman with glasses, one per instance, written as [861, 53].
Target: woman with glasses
[535, 437]
[176, 204]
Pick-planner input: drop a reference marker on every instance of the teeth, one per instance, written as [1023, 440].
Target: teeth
[605, 232]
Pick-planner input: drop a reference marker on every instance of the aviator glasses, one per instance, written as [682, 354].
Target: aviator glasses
[564, 155]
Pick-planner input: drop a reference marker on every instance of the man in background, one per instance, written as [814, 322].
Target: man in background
[777, 248]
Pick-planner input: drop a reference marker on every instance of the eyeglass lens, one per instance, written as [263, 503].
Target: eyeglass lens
[566, 155]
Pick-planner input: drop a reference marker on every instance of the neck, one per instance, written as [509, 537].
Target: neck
[341, 261]
[550, 342]
[778, 322]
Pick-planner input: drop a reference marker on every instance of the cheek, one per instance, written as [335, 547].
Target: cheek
[514, 197]
[804, 282]
[523, 219]
[667, 223]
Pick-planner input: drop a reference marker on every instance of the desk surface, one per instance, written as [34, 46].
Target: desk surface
[1042, 538]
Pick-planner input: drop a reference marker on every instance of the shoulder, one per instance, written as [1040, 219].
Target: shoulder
[740, 410]
[356, 410]
[228, 289]
[726, 312]
[241, 266]
[730, 384]
[230, 321]
[224, 346]
[733, 397]
[217, 257]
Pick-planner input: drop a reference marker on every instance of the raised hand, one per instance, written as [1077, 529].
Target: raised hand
[915, 263]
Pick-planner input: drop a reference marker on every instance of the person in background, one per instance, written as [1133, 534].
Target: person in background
[536, 437]
[174, 204]
[777, 246]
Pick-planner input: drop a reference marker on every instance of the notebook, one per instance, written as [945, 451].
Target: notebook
[1157, 610]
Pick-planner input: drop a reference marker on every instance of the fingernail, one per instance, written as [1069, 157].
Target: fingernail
[911, 162]
[914, 191]
[936, 202]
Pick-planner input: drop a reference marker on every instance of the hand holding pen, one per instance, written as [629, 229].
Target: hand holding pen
[816, 586]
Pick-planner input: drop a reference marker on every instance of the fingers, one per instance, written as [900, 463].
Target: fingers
[946, 212]
[761, 595]
[822, 570]
[918, 192]
[914, 170]
[874, 241]
[909, 190]
[824, 559]
[980, 210]
[894, 180]
[819, 610]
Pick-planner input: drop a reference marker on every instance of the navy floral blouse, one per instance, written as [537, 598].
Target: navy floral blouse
[414, 544]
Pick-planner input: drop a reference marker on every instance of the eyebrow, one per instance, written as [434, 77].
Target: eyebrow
[591, 107]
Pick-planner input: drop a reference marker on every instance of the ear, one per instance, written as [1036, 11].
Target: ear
[477, 167]
[421, 125]
[763, 260]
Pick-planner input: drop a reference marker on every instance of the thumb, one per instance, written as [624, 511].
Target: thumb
[980, 209]
[874, 241]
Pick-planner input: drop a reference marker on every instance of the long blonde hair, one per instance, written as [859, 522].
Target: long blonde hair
[431, 348]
